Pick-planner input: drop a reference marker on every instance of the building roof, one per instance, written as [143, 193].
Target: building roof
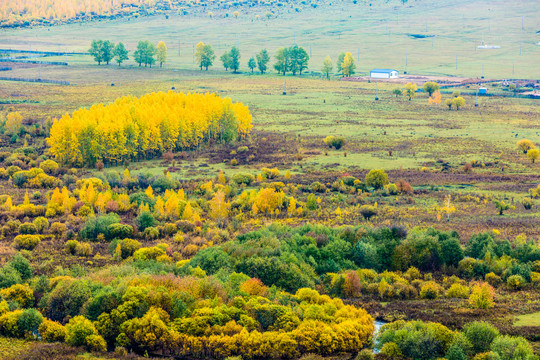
[383, 70]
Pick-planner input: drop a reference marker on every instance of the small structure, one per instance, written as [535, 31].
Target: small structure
[384, 74]
[482, 91]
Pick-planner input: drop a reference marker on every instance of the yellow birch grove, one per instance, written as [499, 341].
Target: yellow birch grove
[133, 128]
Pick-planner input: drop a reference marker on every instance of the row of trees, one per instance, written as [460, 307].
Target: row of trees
[146, 53]
[293, 59]
[131, 128]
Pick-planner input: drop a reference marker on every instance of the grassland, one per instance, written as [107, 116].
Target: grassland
[379, 34]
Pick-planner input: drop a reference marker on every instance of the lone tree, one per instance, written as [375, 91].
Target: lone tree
[262, 60]
[533, 154]
[204, 55]
[397, 92]
[120, 53]
[502, 206]
[430, 87]
[161, 53]
[376, 178]
[525, 145]
[410, 90]
[235, 59]
[458, 102]
[327, 66]
[252, 64]
[348, 66]
[226, 60]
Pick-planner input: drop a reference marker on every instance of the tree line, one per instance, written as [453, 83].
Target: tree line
[293, 59]
[131, 128]
[146, 53]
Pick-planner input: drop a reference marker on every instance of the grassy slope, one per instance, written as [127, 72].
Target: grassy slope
[330, 29]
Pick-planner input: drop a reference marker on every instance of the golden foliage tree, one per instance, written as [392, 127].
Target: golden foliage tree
[134, 128]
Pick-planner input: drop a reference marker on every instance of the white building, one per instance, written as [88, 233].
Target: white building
[384, 74]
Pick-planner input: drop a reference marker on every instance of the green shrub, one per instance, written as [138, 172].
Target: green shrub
[27, 242]
[243, 178]
[365, 354]
[71, 246]
[512, 347]
[515, 282]
[28, 228]
[128, 247]
[145, 220]
[29, 321]
[41, 223]
[376, 179]
[458, 291]
[337, 142]
[78, 330]
[481, 334]
[96, 225]
[368, 211]
[119, 231]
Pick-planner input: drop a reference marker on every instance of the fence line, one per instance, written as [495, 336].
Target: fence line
[34, 62]
[60, 82]
[50, 53]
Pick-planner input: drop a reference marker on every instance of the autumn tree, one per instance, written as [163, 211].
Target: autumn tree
[376, 178]
[252, 64]
[327, 66]
[458, 102]
[262, 60]
[449, 103]
[525, 145]
[219, 208]
[348, 66]
[502, 206]
[13, 124]
[430, 87]
[533, 154]
[397, 92]
[204, 55]
[134, 128]
[410, 90]
[435, 99]
[161, 53]
[120, 53]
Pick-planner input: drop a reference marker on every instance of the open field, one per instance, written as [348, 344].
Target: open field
[379, 35]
